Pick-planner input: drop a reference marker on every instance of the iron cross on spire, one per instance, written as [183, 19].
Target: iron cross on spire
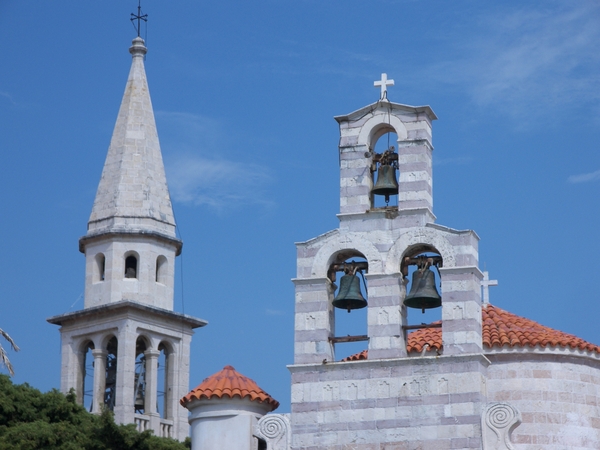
[384, 83]
[139, 17]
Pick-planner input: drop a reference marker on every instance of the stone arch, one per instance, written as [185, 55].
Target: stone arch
[105, 339]
[84, 342]
[380, 124]
[146, 339]
[351, 244]
[412, 239]
[167, 345]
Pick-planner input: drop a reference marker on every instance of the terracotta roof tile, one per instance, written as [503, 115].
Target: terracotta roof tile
[357, 356]
[499, 328]
[229, 383]
[417, 340]
[503, 328]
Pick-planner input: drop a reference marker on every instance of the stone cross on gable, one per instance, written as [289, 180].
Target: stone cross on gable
[486, 283]
[384, 83]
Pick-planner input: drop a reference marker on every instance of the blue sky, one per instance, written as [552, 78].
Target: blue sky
[244, 95]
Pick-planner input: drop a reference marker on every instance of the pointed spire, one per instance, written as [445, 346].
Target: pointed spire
[133, 195]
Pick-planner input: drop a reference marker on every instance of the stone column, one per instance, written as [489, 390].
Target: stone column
[356, 180]
[415, 181]
[151, 391]
[124, 399]
[179, 366]
[314, 321]
[73, 360]
[461, 310]
[99, 380]
[385, 318]
[171, 401]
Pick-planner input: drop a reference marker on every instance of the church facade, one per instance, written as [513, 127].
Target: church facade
[479, 378]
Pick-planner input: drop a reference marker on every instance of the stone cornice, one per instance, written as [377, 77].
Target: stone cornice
[84, 240]
[375, 363]
[125, 305]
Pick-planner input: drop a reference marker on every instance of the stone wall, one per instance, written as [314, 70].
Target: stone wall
[558, 397]
[426, 403]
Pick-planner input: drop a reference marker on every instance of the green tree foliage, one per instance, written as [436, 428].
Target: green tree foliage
[31, 420]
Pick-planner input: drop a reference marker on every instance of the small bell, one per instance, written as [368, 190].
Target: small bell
[386, 182]
[139, 400]
[349, 296]
[423, 292]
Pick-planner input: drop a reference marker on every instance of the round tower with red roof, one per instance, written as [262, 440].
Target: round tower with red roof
[224, 411]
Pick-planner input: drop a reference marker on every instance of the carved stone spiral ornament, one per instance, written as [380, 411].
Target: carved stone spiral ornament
[499, 415]
[274, 429]
[498, 422]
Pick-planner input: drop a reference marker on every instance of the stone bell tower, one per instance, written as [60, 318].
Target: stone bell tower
[128, 336]
[392, 396]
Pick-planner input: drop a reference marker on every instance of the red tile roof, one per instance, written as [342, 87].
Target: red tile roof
[229, 383]
[499, 328]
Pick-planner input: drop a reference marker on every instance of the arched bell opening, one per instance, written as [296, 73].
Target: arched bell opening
[139, 376]
[348, 295]
[87, 378]
[131, 265]
[422, 300]
[110, 386]
[384, 168]
[99, 268]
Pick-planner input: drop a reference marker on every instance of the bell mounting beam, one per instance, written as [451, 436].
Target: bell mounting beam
[347, 267]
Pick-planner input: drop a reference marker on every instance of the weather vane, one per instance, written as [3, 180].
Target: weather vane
[139, 17]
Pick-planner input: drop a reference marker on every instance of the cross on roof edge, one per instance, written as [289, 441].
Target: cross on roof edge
[485, 284]
[384, 83]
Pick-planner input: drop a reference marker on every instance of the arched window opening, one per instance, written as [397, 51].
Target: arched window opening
[163, 382]
[139, 382]
[131, 266]
[99, 268]
[88, 376]
[161, 269]
[385, 171]
[349, 298]
[423, 286]
[110, 389]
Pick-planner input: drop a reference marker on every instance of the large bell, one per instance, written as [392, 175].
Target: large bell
[349, 296]
[423, 293]
[386, 182]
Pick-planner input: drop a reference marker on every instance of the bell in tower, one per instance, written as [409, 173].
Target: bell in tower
[349, 296]
[423, 291]
[386, 183]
